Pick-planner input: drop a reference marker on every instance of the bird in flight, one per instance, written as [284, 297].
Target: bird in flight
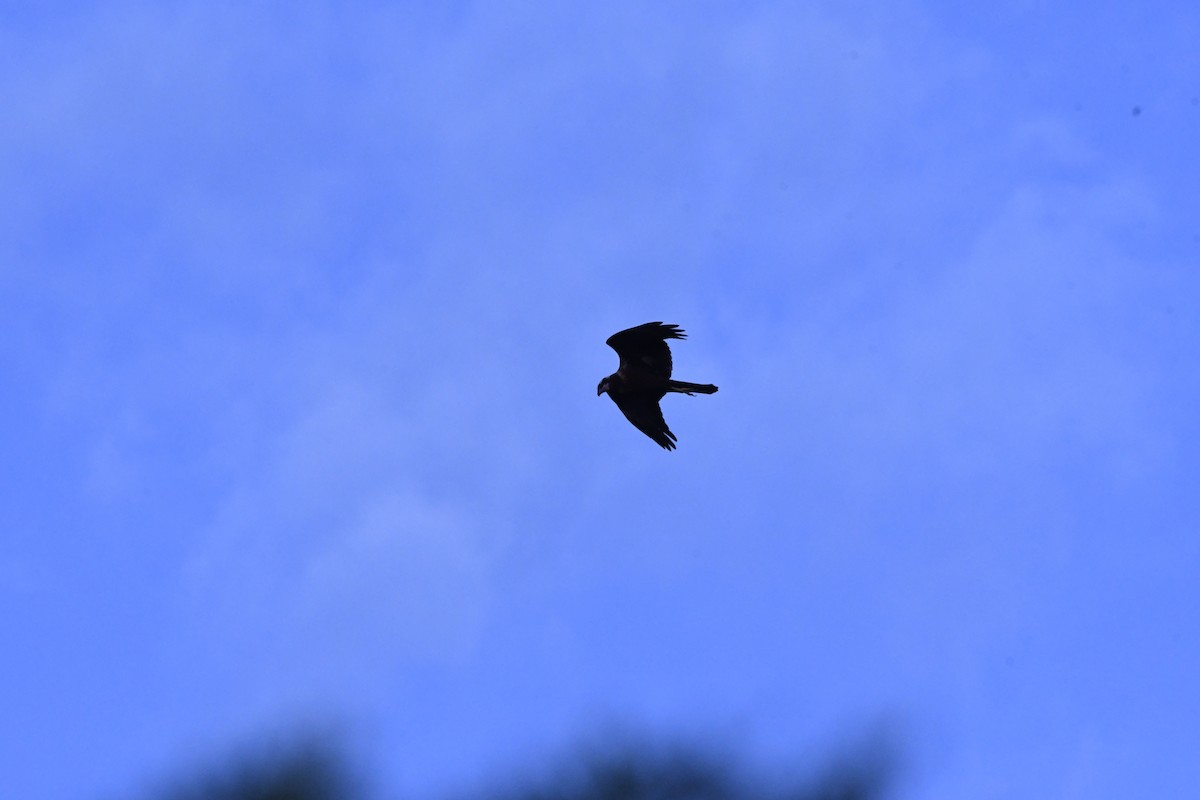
[644, 377]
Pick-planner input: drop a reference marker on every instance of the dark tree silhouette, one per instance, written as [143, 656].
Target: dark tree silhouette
[625, 772]
[648, 773]
[307, 771]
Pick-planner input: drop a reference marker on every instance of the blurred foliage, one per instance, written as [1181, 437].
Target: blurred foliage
[627, 772]
[308, 771]
[644, 772]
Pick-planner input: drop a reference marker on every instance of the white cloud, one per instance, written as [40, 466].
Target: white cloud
[333, 537]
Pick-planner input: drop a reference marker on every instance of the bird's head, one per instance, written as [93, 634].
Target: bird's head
[602, 388]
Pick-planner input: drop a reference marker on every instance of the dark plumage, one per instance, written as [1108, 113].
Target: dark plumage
[644, 376]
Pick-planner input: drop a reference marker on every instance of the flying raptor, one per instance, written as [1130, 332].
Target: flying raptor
[645, 376]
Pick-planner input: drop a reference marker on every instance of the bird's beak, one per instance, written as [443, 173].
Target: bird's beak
[599, 390]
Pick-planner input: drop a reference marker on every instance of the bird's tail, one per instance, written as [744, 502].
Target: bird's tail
[690, 388]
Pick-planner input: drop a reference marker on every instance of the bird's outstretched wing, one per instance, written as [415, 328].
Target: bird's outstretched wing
[645, 347]
[646, 415]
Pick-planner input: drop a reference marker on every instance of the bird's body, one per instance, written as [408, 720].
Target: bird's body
[644, 378]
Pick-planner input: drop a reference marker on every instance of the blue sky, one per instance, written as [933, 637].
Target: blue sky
[302, 307]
